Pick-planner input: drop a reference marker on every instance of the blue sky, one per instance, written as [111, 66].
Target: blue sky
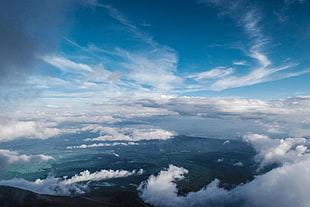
[108, 49]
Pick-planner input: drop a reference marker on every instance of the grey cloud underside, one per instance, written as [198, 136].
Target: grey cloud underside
[28, 29]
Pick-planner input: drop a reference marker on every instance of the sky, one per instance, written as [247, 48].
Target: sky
[75, 51]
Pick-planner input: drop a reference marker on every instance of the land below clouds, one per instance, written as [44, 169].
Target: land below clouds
[10, 196]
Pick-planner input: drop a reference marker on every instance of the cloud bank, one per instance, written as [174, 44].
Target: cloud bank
[194, 116]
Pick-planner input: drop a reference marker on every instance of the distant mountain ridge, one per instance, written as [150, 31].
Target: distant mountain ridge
[15, 197]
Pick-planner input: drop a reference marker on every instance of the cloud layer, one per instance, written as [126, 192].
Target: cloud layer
[195, 116]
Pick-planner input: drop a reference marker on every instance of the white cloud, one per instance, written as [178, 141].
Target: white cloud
[83, 146]
[250, 18]
[283, 117]
[161, 190]
[8, 157]
[44, 82]
[57, 186]
[285, 186]
[156, 68]
[127, 134]
[240, 62]
[278, 151]
[50, 185]
[220, 160]
[255, 76]
[100, 74]
[29, 129]
[100, 175]
[67, 65]
[238, 164]
[218, 72]
[226, 142]
[149, 70]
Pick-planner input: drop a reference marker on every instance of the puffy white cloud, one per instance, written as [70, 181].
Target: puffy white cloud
[278, 151]
[58, 186]
[285, 186]
[30, 129]
[161, 189]
[8, 157]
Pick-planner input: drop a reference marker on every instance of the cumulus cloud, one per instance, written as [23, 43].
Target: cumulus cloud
[71, 186]
[161, 190]
[274, 188]
[30, 129]
[279, 151]
[162, 187]
[8, 157]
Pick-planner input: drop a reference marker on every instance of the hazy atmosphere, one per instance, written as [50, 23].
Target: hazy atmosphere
[162, 103]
